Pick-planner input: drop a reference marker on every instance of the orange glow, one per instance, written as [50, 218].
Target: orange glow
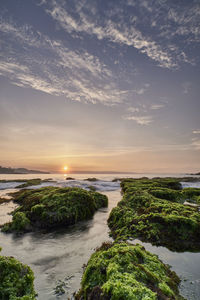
[65, 168]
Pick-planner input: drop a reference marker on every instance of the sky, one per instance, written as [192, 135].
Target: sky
[100, 85]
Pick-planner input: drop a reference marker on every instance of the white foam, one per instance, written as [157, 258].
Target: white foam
[99, 185]
[9, 185]
[190, 184]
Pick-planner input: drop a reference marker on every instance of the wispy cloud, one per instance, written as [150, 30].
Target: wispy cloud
[142, 113]
[76, 75]
[133, 109]
[10, 67]
[186, 21]
[141, 120]
[122, 33]
[196, 131]
[157, 106]
[175, 26]
[196, 144]
[142, 90]
[186, 87]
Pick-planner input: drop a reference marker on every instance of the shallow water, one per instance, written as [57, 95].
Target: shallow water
[186, 265]
[60, 255]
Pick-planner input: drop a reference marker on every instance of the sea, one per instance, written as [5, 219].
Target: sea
[58, 257]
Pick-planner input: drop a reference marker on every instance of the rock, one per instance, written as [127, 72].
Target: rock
[16, 280]
[152, 210]
[52, 207]
[91, 179]
[123, 271]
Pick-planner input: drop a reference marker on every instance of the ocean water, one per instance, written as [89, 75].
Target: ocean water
[60, 255]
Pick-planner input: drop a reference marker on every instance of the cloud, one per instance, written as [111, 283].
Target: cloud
[196, 144]
[122, 34]
[133, 109]
[142, 90]
[10, 67]
[186, 87]
[139, 113]
[50, 66]
[157, 106]
[23, 34]
[146, 5]
[186, 21]
[174, 26]
[141, 120]
[196, 131]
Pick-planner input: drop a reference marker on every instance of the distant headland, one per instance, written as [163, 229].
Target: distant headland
[4, 170]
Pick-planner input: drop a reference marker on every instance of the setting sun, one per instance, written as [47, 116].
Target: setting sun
[65, 168]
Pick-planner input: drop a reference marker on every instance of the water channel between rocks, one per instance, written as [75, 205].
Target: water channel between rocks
[60, 256]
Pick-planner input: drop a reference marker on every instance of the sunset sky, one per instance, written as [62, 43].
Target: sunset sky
[100, 85]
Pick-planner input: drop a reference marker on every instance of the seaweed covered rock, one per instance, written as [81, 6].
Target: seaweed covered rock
[153, 211]
[16, 280]
[27, 182]
[146, 184]
[52, 207]
[123, 271]
[91, 179]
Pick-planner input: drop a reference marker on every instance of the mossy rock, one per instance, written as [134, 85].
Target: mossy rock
[153, 212]
[51, 207]
[123, 271]
[27, 182]
[91, 179]
[16, 280]
[35, 181]
[19, 223]
[145, 183]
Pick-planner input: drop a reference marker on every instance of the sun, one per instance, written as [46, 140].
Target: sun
[65, 168]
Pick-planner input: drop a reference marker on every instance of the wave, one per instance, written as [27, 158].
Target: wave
[9, 185]
[99, 185]
[190, 184]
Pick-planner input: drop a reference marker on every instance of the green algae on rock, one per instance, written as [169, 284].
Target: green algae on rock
[91, 179]
[153, 211]
[51, 207]
[16, 280]
[123, 271]
[27, 182]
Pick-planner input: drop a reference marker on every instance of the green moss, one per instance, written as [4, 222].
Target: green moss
[52, 207]
[19, 223]
[154, 212]
[92, 188]
[27, 182]
[91, 179]
[191, 195]
[123, 271]
[165, 193]
[16, 280]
